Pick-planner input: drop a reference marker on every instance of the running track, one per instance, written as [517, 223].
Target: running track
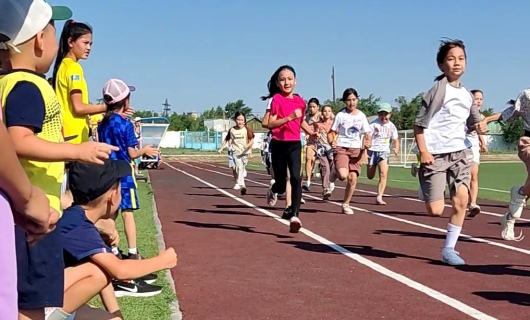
[237, 259]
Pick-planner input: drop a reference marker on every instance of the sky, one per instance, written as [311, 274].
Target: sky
[203, 53]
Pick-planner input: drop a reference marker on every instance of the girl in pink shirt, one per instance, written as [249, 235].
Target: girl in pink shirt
[286, 120]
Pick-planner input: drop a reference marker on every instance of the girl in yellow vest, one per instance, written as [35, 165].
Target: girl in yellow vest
[241, 138]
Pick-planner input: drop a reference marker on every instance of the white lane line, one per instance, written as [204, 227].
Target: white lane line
[401, 197]
[456, 304]
[382, 215]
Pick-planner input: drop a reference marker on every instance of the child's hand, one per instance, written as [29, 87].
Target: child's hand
[36, 217]
[396, 151]
[94, 152]
[296, 114]
[426, 158]
[150, 151]
[481, 127]
[169, 258]
[367, 141]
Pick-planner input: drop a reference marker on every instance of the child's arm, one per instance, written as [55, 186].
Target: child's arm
[421, 122]
[132, 269]
[274, 122]
[30, 205]
[225, 141]
[132, 143]
[305, 126]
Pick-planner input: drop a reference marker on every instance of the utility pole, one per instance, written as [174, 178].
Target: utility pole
[333, 81]
[166, 108]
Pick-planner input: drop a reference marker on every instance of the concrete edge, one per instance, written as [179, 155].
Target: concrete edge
[174, 306]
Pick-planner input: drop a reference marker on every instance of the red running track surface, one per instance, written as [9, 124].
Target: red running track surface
[237, 259]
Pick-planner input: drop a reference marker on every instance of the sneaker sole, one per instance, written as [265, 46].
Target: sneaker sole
[120, 294]
[294, 227]
[473, 212]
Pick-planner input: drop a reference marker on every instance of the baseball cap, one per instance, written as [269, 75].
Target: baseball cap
[384, 107]
[88, 181]
[137, 119]
[23, 19]
[115, 90]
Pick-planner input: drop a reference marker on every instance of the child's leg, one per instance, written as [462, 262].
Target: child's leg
[354, 170]
[129, 203]
[326, 172]
[91, 279]
[288, 190]
[373, 158]
[279, 166]
[309, 163]
[383, 175]
[294, 164]
[40, 274]
[474, 209]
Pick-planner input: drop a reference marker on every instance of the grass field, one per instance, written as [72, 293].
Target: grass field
[495, 179]
[150, 308]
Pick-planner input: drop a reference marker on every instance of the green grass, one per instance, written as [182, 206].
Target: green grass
[150, 308]
[496, 176]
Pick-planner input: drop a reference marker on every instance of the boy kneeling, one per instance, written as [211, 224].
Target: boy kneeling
[89, 262]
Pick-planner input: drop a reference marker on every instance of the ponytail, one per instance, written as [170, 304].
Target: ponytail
[71, 30]
[440, 77]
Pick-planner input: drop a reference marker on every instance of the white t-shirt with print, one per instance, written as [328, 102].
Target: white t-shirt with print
[351, 128]
[382, 135]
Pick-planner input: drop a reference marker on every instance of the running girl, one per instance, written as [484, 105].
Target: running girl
[325, 151]
[312, 117]
[286, 120]
[477, 145]
[117, 130]
[384, 133]
[241, 139]
[440, 130]
[354, 136]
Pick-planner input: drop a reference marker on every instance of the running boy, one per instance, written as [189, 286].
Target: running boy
[440, 129]
[354, 136]
[384, 134]
[33, 118]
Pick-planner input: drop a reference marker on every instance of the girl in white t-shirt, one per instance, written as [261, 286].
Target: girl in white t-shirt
[354, 136]
[477, 145]
[384, 134]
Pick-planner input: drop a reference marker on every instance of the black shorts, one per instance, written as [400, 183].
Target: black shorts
[40, 270]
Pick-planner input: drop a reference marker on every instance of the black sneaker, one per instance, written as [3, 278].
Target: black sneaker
[287, 213]
[149, 279]
[135, 289]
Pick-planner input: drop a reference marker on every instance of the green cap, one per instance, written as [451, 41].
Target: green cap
[61, 13]
[384, 107]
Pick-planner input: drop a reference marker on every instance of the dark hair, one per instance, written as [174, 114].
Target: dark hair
[239, 113]
[443, 50]
[477, 91]
[112, 107]
[347, 93]
[71, 30]
[272, 85]
[313, 100]
[511, 102]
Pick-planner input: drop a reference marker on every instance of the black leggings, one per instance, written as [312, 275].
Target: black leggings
[287, 154]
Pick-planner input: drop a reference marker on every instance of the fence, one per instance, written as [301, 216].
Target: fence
[203, 140]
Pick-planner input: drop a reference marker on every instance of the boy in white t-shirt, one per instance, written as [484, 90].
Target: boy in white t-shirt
[384, 133]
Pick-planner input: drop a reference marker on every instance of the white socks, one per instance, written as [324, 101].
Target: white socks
[453, 232]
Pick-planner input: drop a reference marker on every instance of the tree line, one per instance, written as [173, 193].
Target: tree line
[403, 114]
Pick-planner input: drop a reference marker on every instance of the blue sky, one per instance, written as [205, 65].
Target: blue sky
[203, 53]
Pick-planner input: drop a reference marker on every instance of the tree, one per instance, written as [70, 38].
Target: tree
[487, 112]
[369, 105]
[404, 116]
[238, 106]
[336, 105]
[512, 131]
[213, 113]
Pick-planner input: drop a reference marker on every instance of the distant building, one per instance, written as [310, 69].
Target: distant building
[255, 124]
[192, 115]
[219, 125]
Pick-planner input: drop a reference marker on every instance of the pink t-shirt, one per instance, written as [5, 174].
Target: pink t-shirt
[282, 107]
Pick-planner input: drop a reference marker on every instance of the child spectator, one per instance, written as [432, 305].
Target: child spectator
[89, 261]
[33, 118]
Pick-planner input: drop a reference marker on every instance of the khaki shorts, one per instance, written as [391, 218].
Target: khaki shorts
[349, 158]
[452, 168]
[310, 152]
[524, 151]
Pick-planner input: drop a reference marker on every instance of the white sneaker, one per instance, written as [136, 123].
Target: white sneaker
[346, 209]
[507, 228]
[517, 202]
[237, 187]
[302, 200]
[295, 225]
[331, 186]
[272, 182]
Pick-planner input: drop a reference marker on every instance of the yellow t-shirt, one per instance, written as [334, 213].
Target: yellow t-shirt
[70, 77]
[31, 90]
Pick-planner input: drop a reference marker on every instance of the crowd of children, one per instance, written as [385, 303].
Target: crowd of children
[63, 188]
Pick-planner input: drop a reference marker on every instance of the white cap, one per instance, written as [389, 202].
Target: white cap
[23, 19]
[137, 119]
